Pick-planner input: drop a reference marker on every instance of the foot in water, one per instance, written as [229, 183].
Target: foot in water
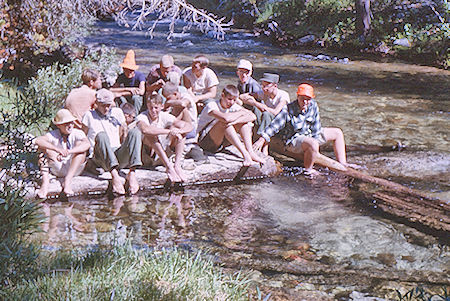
[311, 173]
[354, 166]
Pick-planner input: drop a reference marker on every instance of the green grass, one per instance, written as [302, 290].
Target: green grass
[126, 273]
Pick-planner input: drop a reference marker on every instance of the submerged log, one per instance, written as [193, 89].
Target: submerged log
[394, 198]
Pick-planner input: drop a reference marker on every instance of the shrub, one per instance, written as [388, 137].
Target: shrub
[52, 84]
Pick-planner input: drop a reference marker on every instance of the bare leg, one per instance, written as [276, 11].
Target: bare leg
[77, 160]
[45, 172]
[233, 138]
[246, 133]
[153, 142]
[132, 181]
[336, 135]
[179, 148]
[310, 148]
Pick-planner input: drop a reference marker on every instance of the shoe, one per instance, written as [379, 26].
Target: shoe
[197, 154]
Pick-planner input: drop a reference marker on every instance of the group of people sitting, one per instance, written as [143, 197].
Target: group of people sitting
[144, 120]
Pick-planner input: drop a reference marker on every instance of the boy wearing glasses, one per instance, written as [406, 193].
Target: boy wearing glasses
[64, 152]
[201, 80]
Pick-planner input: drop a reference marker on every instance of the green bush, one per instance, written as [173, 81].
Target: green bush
[52, 84]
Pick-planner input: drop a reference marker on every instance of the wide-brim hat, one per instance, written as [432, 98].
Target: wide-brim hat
[305, 90]
[270, 78]
[63, 116]
[244, 64]
[129, 61]
[104, 96]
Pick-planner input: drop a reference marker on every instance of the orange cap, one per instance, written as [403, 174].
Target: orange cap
[129, 62]
[306, 90]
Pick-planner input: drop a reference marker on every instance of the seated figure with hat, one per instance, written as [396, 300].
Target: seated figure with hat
[130, 85]
[159, 74]
[63, 152]
[297, 132]
[269, 104]
[113, 146]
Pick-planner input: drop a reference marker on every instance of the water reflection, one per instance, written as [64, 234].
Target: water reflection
[249, 220]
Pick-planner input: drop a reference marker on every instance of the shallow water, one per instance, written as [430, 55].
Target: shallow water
[377, 103]
[249, 219]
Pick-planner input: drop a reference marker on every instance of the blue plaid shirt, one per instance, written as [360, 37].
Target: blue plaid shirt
[291, 122]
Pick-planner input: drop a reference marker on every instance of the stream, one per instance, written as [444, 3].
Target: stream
[289, 220]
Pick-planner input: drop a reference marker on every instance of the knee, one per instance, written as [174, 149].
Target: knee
[311, 145]
[135, 134]
[101, 137]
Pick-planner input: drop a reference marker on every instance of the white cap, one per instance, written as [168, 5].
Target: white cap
[244, 64]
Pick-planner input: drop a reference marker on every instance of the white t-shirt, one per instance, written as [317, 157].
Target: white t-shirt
[206, 121]
[273, 102]
[165, 121]
[55, 138]
[110, 125]
[201, 84]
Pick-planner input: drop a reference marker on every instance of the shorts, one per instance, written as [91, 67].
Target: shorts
[207, 144]
[295, 146]
[61, 168]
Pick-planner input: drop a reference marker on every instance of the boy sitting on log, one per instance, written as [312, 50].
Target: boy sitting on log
[161, 131]
[64, 152]
[301, 133]
[224, 118]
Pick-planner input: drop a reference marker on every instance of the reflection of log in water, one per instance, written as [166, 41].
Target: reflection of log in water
[394, 198]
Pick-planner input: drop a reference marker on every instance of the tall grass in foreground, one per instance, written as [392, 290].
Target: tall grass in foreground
[126, 273]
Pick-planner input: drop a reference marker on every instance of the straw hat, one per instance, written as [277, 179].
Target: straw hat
[129, 62]
[63, 116]
[306, 90]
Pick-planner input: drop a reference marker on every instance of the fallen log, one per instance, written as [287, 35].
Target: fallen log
[395, 199]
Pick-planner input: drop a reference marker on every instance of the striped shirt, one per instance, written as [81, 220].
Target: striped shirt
[291, 122]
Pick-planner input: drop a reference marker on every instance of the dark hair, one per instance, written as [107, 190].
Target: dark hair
[154, 99]
[128, 108]
[88, 75]
[169, 89]
[230, 90]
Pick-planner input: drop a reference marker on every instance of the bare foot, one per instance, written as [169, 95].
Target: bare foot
[248, 162]
[311, 173]
[354, 166]
[117, 186]
[172, 174]
[256, 158]
[132, 183]
[68, 191]
[180, 173]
